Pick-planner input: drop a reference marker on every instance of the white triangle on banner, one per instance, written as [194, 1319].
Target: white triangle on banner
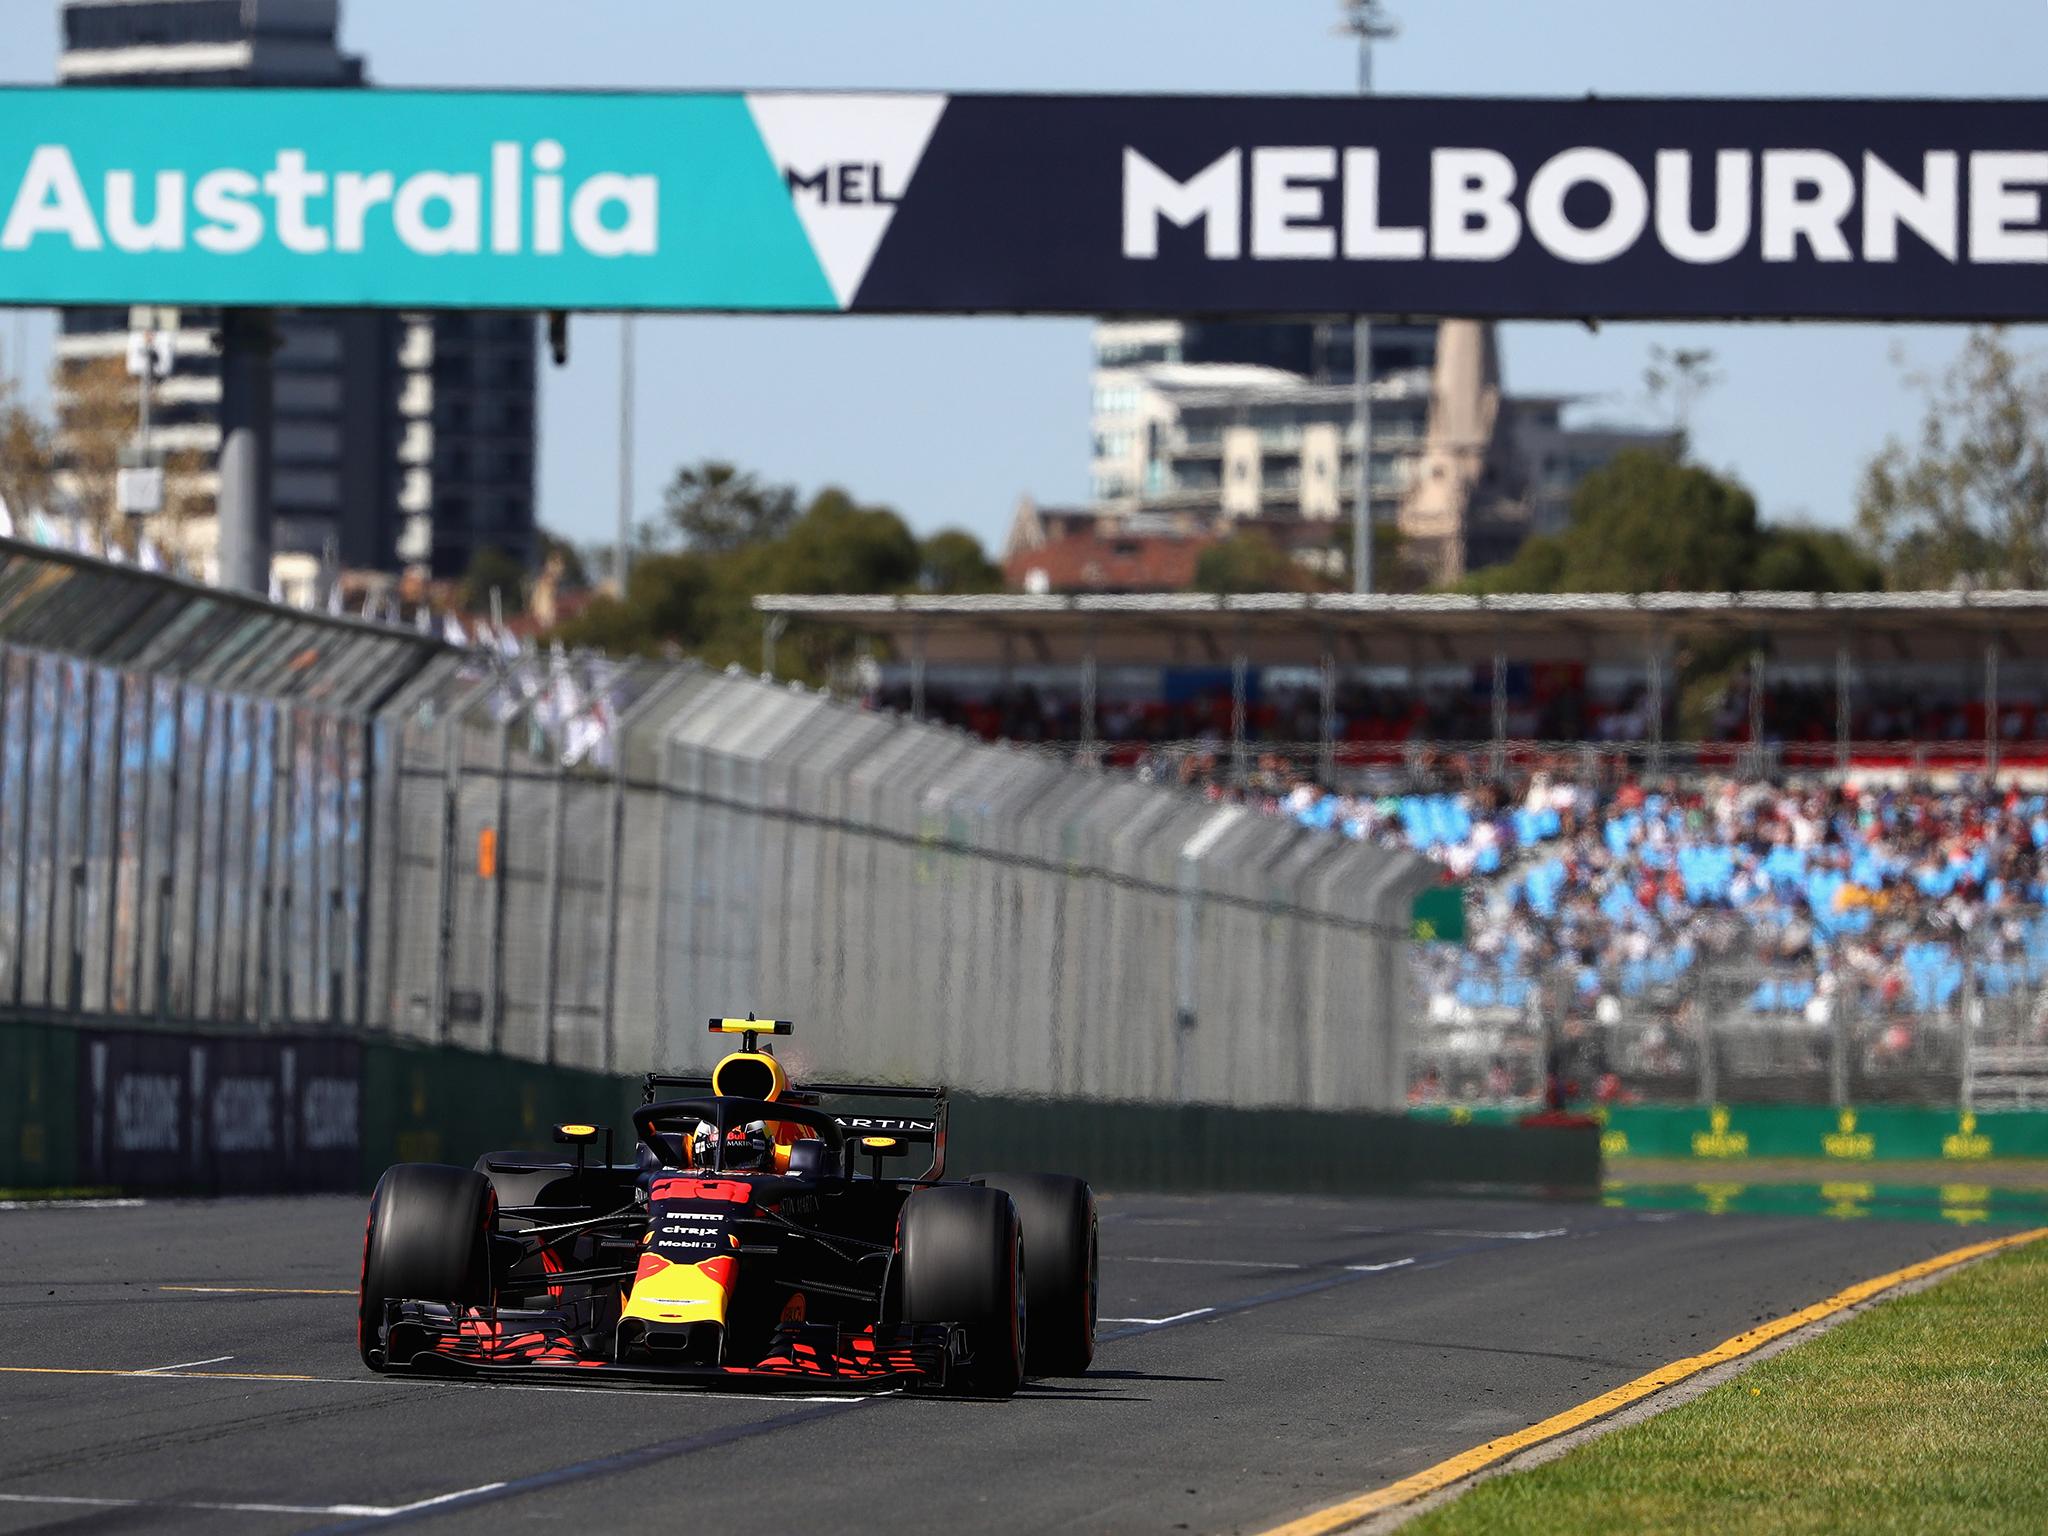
[846, 160]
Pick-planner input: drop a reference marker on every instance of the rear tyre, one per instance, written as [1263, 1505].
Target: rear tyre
[428, 1239]
[1058, 1217]
[962, 1261]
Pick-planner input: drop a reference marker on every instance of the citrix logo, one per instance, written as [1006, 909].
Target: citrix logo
[228, 210]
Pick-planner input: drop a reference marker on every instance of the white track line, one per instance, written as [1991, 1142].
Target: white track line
[1130, 1258]
[184, 1365]
[1373, 1269]
[69, 1205]
[1155, 1322]
[360, 1511]
[1505, 1237]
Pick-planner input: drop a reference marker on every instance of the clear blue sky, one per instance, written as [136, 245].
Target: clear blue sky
[949, 420]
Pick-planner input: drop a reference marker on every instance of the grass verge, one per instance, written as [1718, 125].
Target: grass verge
[1929, 1413]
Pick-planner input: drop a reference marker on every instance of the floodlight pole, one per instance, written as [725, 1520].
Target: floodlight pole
[1368, 21]
[622, 558]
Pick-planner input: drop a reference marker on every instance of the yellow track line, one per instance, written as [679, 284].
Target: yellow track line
[1336, 1517]
[157, 1375]
[255, 1290]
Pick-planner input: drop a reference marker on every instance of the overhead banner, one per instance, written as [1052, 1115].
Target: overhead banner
[919, 204]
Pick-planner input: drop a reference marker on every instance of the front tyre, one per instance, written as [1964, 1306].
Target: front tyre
[961, 1255]
[1058, 1216]
[428, 1239]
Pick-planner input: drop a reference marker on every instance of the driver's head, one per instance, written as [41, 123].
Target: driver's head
[746, 1147]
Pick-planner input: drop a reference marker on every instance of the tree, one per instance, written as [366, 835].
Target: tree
[491, 568]
[1799, 559]
[98, 415]
[28, 454]
[700, 600]
[1247, 562]
[716, 507]
[953, 561]
[1969, 503]
[1674, 379]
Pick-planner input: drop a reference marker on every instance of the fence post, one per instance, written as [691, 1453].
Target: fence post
[167, 882]
[1756, 712]
[113, 833]
[1088, 699]
[664, 867]
[206, 713]
[143, 840]
[6, 697]
[74, 980]
[917, 672]
[444, 874]
[220, 852]
[1710, 1069]
[249, 912]
[494, 1004]
[54, 846]
[1498, 757]
[1656, 702]
[1326, 714]
[552, 941]
[1838, 1051]
[1842, 707]
[316, 867]
[1967, 1062]
[23, 869]
[1991, 733]
[21, 865]
[287, 811]
[366, 864]
[1240, 665]
[614, 853]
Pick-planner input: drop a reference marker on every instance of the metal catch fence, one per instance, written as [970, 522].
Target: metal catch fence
[219, 810]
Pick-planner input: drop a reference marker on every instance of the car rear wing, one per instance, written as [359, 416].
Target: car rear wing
[903, 1126]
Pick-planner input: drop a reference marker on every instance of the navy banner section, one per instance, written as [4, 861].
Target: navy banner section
[1712, 209]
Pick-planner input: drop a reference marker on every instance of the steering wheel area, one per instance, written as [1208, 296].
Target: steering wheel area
[667, 1128]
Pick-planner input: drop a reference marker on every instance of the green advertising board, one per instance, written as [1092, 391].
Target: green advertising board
[1437, 915]
[1735, 1133]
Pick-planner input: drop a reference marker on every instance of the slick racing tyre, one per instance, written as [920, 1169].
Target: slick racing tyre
[428, 1239]
[1058, 1217]
[962, 1260]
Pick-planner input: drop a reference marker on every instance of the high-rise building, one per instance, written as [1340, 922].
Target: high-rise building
[397, 439]
[1222, 424]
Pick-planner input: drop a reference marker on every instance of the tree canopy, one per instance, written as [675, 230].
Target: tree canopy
[1968, 502]
[1648, 523]
[697, 600]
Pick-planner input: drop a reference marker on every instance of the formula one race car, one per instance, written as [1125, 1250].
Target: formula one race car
[753, 1239]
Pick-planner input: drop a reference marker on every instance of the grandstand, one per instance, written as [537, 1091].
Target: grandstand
[1832, 891]
[1926, 681]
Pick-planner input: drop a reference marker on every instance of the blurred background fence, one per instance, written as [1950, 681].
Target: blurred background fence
[218, 810]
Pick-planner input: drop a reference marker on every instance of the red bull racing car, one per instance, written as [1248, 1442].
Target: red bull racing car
[756, 1237]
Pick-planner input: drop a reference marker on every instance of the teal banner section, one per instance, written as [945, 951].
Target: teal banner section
[397, 198]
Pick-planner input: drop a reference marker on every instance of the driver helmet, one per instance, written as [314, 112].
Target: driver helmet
[746, 1146]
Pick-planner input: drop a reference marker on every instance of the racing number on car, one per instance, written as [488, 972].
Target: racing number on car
[731, 1190]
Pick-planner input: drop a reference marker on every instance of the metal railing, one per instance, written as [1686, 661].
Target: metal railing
[215, 810]
[1935, 1017]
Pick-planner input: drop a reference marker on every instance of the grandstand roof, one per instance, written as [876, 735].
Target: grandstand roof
[1289, 628]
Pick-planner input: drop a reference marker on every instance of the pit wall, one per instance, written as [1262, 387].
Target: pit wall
[86, 1110]
[1722, 1134]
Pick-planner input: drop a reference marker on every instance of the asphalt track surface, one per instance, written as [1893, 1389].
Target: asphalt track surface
[1269, 1355]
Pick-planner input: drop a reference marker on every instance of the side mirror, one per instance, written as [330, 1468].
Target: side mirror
[580, 1135]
